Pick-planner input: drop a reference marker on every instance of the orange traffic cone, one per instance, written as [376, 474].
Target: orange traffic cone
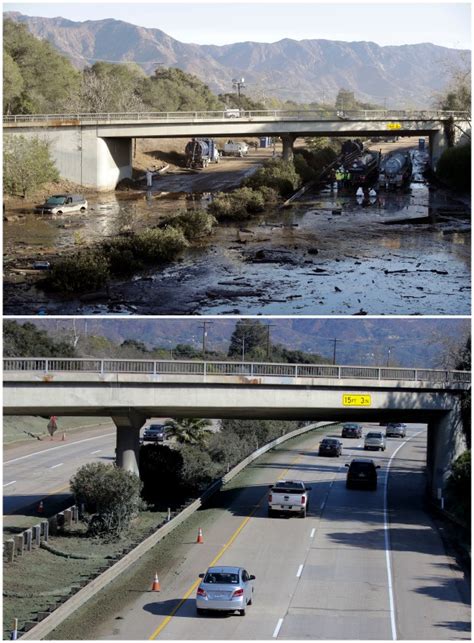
[40, 509]
[156, 584]
[200, 539]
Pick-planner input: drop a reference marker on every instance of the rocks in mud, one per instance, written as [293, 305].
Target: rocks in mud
[313, 251]
[225, 293]
[273, 256]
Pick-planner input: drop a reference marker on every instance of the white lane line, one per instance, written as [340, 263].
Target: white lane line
[313, 531]
[277, 629]
[94, 452]
[55, 466]
[62, 446]
[387, 541]
[9, 483]
[300, 571]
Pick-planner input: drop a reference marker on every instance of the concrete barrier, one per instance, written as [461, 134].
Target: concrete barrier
[52, 621]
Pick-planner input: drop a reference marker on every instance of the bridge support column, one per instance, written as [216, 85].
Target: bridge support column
[445, 443]
[288, 140]
[128, 440]
[438, 143]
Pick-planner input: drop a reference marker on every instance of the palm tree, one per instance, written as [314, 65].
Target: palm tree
[189, 430]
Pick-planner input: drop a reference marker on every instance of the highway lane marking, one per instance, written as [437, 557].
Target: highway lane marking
[300, 571]
[9, 483]
[224, 548]
[94, 452]
[313, 531]
[387, 539]
[55, 466]
[277, 629]
[61, 446]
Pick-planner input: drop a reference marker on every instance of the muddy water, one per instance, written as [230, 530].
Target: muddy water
[402, 253]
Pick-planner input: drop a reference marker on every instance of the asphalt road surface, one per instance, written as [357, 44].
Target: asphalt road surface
[358, 567]
[30, 477]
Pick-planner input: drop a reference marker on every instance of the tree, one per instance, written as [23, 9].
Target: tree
[189, 430]
[12, 83]
[459, 487]
[26, 340]
[49, 81]
[27, 165]
[109, 87]
[249, 340]
[111, 494]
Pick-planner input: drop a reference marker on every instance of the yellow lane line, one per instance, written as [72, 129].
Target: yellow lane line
[193, 587]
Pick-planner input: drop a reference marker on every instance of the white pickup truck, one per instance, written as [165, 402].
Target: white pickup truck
[235, 148]
[288, 496]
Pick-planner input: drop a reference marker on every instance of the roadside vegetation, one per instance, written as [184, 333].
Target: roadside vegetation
[27, 165]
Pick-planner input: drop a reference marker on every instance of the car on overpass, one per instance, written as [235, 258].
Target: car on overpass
[362, 472]
[351, 430]
[225, 589]
[330, 446]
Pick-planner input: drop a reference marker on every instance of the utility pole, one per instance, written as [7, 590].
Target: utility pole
[388, 355]
[239, 84]
[268, 339]
[204, 326]
[335, 340]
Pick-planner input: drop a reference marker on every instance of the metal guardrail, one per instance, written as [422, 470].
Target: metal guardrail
[46, 366]
[300, 115]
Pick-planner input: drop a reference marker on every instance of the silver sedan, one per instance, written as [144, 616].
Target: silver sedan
[225, 589]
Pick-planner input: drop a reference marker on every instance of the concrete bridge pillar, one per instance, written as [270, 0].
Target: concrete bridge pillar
[445, 443]
[128, 440]
[438, 143]
[288, 140]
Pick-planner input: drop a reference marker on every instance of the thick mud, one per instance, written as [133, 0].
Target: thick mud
[400, 253]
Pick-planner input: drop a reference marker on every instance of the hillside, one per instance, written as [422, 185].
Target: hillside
[303, 71]
[412, 342]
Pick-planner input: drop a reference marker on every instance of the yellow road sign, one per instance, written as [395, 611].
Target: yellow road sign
[350, 399]
[394, 126]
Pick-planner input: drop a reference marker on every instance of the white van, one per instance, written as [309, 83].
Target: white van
[61, 203]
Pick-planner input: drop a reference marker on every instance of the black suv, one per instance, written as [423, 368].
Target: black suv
[154, 433]
[330, 446]
[351, 430]
[362, 473]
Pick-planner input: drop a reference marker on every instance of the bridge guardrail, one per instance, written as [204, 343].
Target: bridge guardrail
[379, 114]
[46, 366]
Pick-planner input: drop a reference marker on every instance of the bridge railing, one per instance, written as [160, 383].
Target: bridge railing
[50, 366]
[273, 114]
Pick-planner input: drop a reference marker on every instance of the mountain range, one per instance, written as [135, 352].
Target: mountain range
[304, 71]
[404, 342]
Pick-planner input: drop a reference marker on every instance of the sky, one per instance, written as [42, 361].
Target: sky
[216, 23]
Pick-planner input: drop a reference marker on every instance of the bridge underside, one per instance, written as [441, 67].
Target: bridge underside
[99, 156]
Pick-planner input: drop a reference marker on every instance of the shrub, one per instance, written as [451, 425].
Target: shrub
[112, 495]
[87, 270]
[459, 487]
[27, 165]
[193, 223]
[454, 167]
[198, 469]
[277, 174]
[160, 472]
[159, 246]
[238, 205]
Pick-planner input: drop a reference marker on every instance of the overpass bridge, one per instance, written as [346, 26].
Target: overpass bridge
[130, 391]
[95, 150]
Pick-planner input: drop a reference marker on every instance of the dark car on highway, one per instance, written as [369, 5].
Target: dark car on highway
[330, 446]
[351, 430]
[154, 433]
[362, 472]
